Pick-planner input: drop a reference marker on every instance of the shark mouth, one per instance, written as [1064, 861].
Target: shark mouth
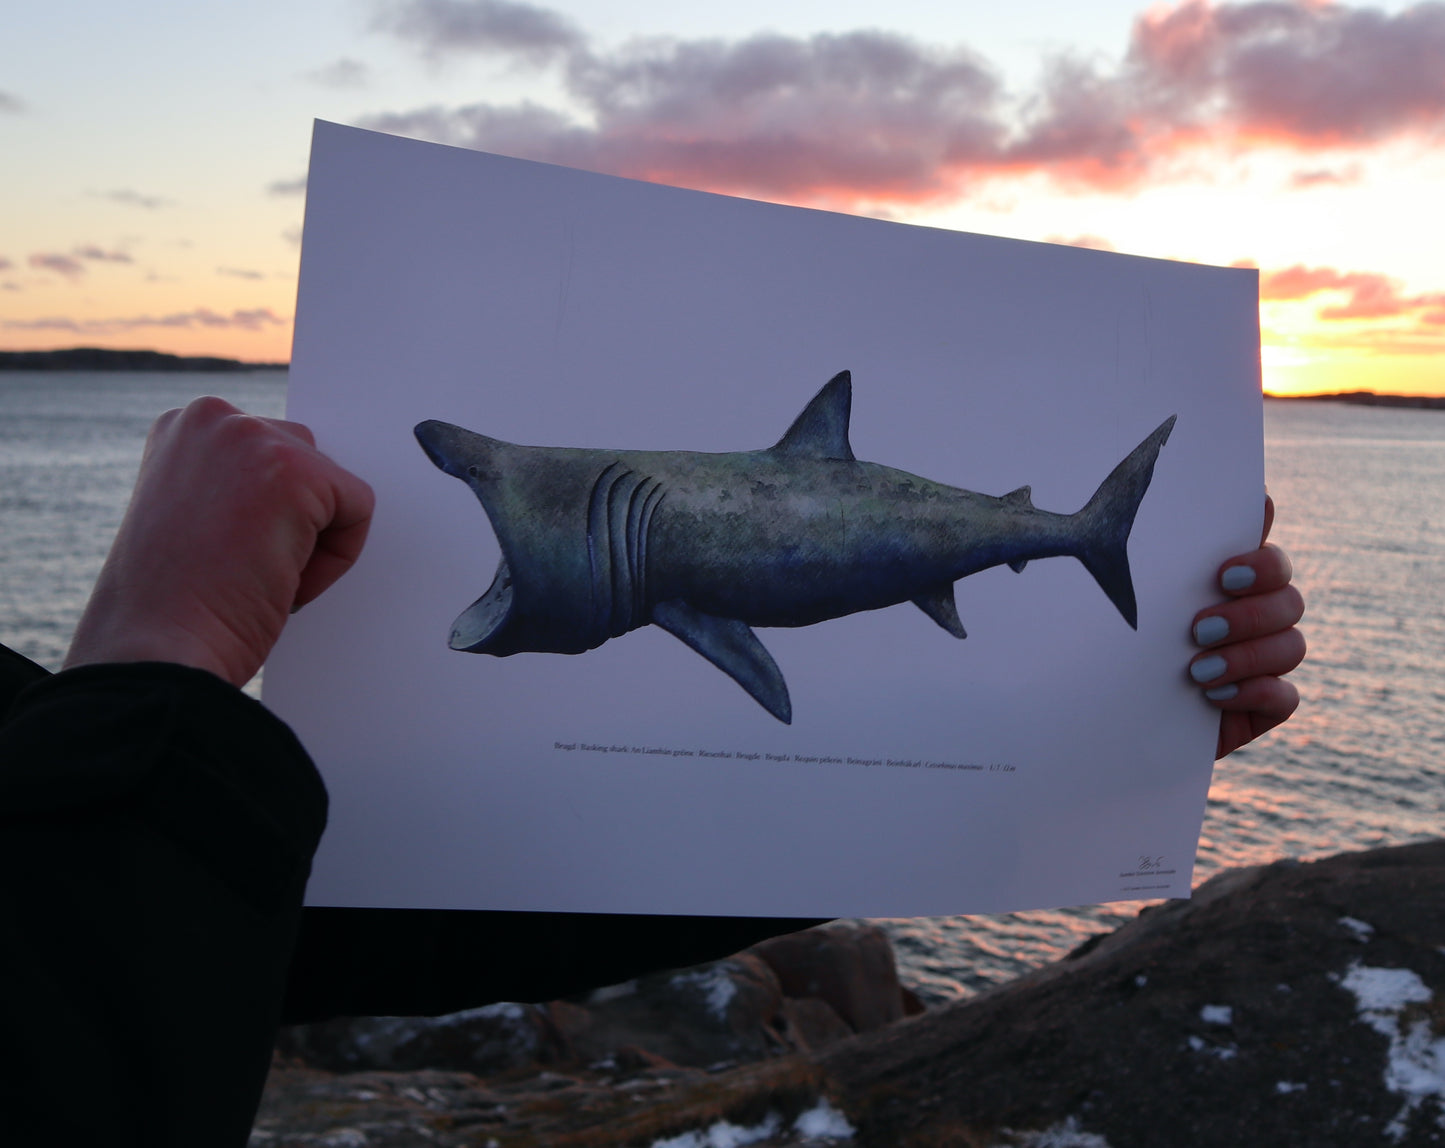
[476, 625]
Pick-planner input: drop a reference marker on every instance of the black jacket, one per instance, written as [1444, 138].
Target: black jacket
[156, 833]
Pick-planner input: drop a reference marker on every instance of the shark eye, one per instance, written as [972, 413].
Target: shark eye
[472, 472]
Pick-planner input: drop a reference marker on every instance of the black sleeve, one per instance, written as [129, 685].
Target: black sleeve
[156, 832]
[421, 962]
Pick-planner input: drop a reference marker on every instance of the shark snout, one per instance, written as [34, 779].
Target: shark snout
[459, 452]
[439, 441]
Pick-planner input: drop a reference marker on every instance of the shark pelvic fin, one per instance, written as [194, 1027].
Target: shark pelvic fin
[733, 648]
[821, 431]
[1018, 564]
[940, 606]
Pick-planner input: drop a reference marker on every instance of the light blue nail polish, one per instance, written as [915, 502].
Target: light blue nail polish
[1222, 693]
[1207, 669]
[1209, 630]
[1237, 577]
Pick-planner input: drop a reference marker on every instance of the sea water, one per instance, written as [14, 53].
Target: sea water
[1359, 491]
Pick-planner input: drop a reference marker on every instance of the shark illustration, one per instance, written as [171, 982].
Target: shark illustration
[596, 543]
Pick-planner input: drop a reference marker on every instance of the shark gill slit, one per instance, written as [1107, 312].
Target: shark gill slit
[618, 498]
[619, 515]
[599, 554]
[624, 507]
[639, 566]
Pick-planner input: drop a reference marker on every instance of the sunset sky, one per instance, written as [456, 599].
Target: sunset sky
[154, 153]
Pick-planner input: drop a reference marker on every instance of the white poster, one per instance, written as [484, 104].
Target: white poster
[676, 494]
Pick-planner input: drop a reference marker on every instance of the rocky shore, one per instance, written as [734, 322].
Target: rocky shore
[1290, 1004]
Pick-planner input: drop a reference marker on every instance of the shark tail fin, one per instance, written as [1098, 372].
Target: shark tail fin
[1108, 517]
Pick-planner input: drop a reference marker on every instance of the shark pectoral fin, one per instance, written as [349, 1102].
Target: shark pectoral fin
[940, 606]
[733, 648]
[821, 431]
[1018, 564]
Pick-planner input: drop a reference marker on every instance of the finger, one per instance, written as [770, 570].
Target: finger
[1268, 519]
[1269, 656]
[1257, 706]
[1251, 617]
[1257, 572]
[296, 430]
[340, 541]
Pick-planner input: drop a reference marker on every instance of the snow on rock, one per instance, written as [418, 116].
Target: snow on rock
[1361, 930]
[344, 1138]
[1222, 1051]
[724, 1135]
[612, 993]
[1285, 1087]
[715, 983]
[1064, 1134]
[823, 1122]
[1415, 1064]
[1216, 1014]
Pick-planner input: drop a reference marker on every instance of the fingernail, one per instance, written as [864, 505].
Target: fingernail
[1222, 693]
[1207, 669]
[1237, 577]
[1209, 630]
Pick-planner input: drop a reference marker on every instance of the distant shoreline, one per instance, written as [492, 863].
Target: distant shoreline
[1369, 399]
[104, 359]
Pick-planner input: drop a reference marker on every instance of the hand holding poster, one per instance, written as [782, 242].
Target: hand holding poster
[615, 371]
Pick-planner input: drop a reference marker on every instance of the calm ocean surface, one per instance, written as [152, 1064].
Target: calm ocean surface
[1361, 493]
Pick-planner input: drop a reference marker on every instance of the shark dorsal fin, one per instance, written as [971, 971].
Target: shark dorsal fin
[1023, 496]
[939, 605]
[821, 431]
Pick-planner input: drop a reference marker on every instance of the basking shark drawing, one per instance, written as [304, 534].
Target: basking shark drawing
[596, 543]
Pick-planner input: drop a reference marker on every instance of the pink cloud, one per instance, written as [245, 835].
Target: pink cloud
[253, 319]
[61, 264]
[1326, 177]
[90, 251]
[868, 117]
[1370, 295]
[1091, 241]
[851, 117]
[1311, 74]
[441, 27]
[131, 198]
